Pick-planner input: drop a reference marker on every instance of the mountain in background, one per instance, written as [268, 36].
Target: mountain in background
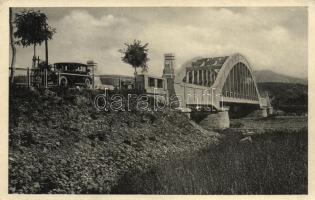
[263, 76]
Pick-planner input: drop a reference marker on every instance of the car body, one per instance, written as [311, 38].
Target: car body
[65, 74]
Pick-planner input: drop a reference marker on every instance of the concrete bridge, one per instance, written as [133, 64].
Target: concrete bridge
[215, 86]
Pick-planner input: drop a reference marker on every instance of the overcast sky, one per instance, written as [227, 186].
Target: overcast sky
[270, 38]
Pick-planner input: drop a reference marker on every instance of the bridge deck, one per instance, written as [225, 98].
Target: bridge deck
[201, 95]
[239, 100]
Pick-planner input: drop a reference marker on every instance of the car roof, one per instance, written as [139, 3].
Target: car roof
[70, 63]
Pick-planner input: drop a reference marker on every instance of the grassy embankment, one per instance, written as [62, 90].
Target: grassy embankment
[273, 163]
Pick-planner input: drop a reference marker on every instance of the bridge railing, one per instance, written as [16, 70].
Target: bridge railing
[236, 95]
[263, 102]
[25, 77]
[191, 94]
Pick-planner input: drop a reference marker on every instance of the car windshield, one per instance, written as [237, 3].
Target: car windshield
[73, 67]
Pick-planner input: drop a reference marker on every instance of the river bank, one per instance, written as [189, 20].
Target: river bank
[271, 163]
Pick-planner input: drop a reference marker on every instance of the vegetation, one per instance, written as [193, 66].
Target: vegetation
[136, 55]
[32, 29]
[274, 163]
[290, 97]
[60, 143]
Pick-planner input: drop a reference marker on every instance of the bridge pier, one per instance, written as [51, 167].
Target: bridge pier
[270, 110]
[187, 112]
[218, 120]
[262, 112]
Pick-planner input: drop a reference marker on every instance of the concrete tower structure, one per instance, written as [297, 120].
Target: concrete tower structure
[169, 65]
[92, 65]
[168, 74]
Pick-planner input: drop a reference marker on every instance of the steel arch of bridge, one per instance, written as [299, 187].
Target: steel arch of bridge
[234, 83]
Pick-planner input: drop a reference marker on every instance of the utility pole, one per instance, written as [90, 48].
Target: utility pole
[46, 48]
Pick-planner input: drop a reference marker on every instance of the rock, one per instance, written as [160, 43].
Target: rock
[245, 140]
[250, 133]
[152, 138]
[93, 116]
[63, 161]
[36, 185]
[127, 141]
[131, 124]
[81, 100]
[236, 125]
[48, 93]
[279, 113]
[57, 100]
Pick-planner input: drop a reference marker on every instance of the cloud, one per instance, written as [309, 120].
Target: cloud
[271, 38]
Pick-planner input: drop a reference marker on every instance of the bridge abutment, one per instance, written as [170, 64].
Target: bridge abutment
[262, 112]
[218, 120]
[270, 110]
[187, 112]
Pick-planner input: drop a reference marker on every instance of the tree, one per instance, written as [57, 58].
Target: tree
[136, 55]
[12, 43]
[32, 29]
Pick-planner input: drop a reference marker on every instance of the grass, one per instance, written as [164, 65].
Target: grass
[274, 163]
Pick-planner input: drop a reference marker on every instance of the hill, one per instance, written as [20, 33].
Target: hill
[290, 97]
[270, 76]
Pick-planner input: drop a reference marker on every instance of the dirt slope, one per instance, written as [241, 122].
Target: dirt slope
[59, 143]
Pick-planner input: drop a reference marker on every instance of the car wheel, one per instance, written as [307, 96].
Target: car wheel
[63, 82]
[87, 83]
[37, 81]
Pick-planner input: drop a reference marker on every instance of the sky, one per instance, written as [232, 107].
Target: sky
[271, 38]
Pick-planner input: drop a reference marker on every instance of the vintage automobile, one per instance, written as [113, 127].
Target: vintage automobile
[64, 74]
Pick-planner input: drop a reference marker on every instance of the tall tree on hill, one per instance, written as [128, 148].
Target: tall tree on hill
[136, 55]
[32, 29]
